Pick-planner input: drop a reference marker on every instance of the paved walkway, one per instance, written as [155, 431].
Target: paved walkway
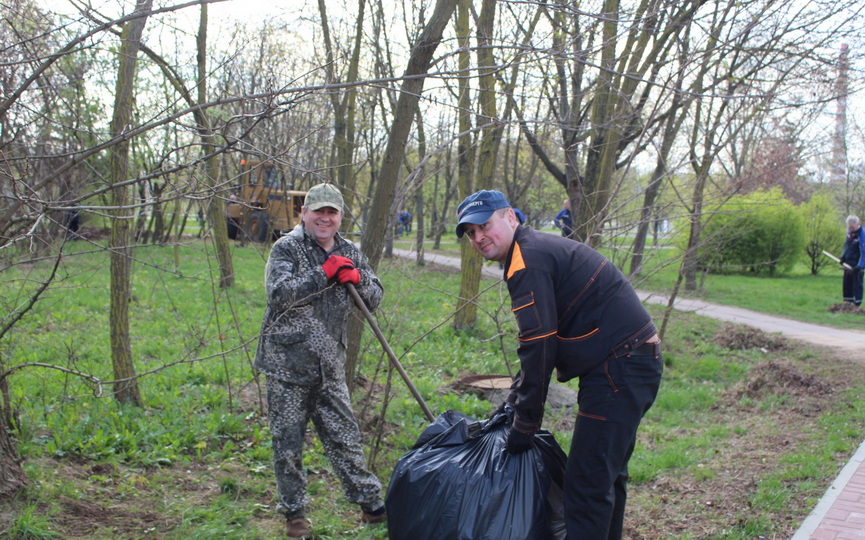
[848, 341]
[840, 513]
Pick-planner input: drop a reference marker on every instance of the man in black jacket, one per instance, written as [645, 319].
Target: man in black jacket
[578, 314]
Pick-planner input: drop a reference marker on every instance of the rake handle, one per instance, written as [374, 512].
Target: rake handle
[393, 359]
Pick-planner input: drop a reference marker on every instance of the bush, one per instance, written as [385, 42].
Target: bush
[754, 233]
[824, 230]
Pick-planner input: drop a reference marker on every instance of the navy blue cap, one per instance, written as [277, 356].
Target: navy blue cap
[478, 207]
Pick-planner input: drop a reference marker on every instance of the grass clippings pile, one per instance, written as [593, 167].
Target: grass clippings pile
[740, 338]
[779, 378]
[87, 517]
[781, 382]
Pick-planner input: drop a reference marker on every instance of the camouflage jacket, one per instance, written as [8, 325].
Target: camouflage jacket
[303, 333]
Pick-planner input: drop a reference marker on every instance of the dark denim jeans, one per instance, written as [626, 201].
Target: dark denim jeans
[852, 285]
[613, 399]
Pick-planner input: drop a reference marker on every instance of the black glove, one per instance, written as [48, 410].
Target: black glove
[519, 442]
[498, 411]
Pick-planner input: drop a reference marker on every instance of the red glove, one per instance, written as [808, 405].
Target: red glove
[334, 264]
[348, 275]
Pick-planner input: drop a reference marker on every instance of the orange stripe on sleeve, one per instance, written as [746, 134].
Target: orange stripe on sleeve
[517, 262]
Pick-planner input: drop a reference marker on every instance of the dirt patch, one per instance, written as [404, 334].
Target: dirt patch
[767, 415]
[83, 518]
[116, 501]
[846, 307]
[739, 338]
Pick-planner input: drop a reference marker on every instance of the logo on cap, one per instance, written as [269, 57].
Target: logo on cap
[478, 207]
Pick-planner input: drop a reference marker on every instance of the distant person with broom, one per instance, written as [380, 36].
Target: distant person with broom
[854, 257]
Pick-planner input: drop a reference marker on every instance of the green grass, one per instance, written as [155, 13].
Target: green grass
[197, 455]
[796, 295]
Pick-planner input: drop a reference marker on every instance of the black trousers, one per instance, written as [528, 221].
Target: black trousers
[612, 401]
[852, 285]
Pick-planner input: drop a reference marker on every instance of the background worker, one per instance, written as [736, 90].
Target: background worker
[564, 220]
[302, 352]
[854, 256]
[576, 313]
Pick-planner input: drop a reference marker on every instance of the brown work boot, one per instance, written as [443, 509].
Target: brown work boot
[298, 528]
[376, 516]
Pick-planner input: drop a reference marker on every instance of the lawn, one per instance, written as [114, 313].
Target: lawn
[747, 433]
[796, 295]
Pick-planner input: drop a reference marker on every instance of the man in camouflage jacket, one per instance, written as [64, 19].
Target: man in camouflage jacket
[302, 352]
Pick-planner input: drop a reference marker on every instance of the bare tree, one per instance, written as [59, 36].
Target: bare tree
[671, 126]
[126, 386]
[755, 50]
[344, 105]
[412, 85]
[600, 95]
[470, 260]
[492, 128]
[215, 204]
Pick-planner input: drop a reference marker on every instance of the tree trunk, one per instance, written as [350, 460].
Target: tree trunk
[671, 129]
[12, 476]
[418, 192]
[215, 204]
[344, 112]
[491, 136]
[411, 89]
[689, 261]
[589, 204]
[419, 226]
[126, 385]
[470, 274]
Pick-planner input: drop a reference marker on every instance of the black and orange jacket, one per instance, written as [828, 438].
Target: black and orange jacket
[574, 309]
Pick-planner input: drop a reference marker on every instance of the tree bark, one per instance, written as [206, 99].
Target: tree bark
[12, 475]
[215, 204]
[491, 135]
[126, 385]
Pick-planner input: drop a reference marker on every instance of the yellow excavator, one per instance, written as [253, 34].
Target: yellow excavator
[263, 204]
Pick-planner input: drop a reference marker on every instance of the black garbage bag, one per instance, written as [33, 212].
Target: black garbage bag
[459, 482]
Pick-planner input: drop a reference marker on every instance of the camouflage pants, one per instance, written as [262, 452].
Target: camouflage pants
[290, 408]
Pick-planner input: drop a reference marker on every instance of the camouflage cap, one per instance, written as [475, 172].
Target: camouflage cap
[323, 195]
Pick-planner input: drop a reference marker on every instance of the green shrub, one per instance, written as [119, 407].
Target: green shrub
[755, 233]
[824, 230]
